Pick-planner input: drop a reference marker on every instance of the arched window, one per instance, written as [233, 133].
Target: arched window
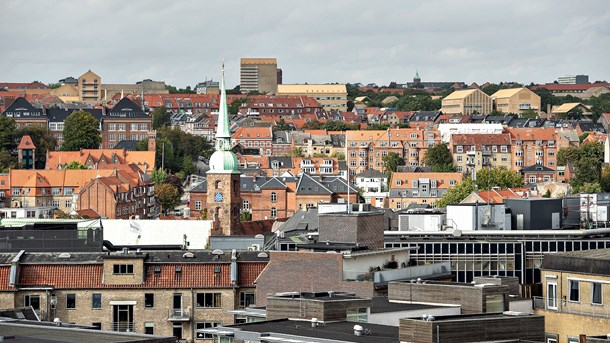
[273, 196]
[218, 213]
[273, 212]
[218, 184]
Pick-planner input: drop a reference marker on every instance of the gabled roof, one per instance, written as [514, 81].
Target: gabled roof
[308, 185]
[532, 134]
[569, 106]
[461, 94]
[26, 143]
[372, 173]
[507, 93]
[338, 185]
[537, 168]
[126, 108]
[273, 183]
[20, 105]
[59, 115]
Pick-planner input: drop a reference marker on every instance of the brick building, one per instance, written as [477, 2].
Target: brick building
[420, 187]
[163, 293]
[255, 137]
[103, 158]
[125, 121]
[535, 146]
[473, 152]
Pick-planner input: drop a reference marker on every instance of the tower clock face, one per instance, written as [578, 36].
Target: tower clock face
[218, 197]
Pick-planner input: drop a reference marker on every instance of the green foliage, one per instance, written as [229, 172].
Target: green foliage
[142, 145]
[587, 170]
[174, 90]
[7, 161]
[179, 144]
[491, 88]
[547, 194]
[53, 85]
[81, 131]
[188, 167]
[529, 114]
[488, 178]
[75, 165]
[282, 125]
[339, 156]
[391, 162]
[588, 188]
[587, 160]
[297, 152]
[383, 126]
[568, 154]
[582, 137]
[160, 117]
[443, 168]
[245, 216]
[439, 157]
[42, 139]
[456, 194]
[167, 195]
[418, 103]
[599, 104]
[236, 104]
[158, 176]
[331, 125]
[164, 155]
[7, 133]
[604, 179]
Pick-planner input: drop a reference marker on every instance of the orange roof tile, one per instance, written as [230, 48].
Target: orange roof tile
[532, 134]
[26, 143]
[481, 139]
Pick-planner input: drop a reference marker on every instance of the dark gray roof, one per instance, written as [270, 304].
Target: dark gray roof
[302, 220]
[20, 107]
[336, 184]
[308, 185]
[59, 115]
[201, 187]
[383, 305]
[372, 173]
[285, 162]
[125, 108]
[595, 262]
[498, 119]
[537, 168]
[273, 183]
[281, 137]
[415, 169]
[128, 145]
[591, 126]
[425, 116]
[338, 140]
[338, 331]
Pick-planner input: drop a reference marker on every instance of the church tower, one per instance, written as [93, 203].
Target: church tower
[223, 193]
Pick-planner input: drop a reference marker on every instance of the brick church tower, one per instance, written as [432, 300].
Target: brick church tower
[223, 193]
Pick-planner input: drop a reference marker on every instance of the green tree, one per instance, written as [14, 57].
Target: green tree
[588, 188]
[383, 126]
[456, 194]
[587, 170]
[282, 125]
[604, 180]
[567, 154]
[438, 157]
[297, 152]
[339, 156]
[313, 125]
[491, 88]
[391, 162]
[7, 133]
[158, 176]
[167, 195]
[81, 131]
[245, 216]
[142, 145]
[188, 167]
[160, 117]
[529, 114]
[75, 165]
[7, 161]
[599, 105]
[488, 178]
[236, 104]
[164, 155]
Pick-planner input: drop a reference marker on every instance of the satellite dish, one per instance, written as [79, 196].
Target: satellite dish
[217, 252]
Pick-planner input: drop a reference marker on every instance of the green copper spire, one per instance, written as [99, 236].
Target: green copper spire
[417, 74]
[223, 159]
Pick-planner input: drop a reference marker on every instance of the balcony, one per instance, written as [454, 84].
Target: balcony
[122, 326]
[563, 306]
[179, 315]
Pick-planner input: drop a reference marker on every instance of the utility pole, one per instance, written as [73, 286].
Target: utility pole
[163, 156]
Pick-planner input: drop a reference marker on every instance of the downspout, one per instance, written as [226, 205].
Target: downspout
[193, 325]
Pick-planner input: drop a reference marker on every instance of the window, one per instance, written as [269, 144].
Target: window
[71, 301]
[205, 325]
[503, 148]
[33, 301]
[112, 127]
[143, 127]
[134, 127]
[149, 328]
[532, 179]
[96, 300]
[197, 205]
[68, 203]
[149, 300]
[596, 293]
[574, 291]
[97, 325]
[273, 196]
[55, 191]
[55, 203]
[209, 300]
[122, 269]
[273, 212]
[121, 127]
[246, 299]
[359, 315]
[245, 205]
[68, 191]
[459, 149]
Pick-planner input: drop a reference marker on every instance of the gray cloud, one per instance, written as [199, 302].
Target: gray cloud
[182, 42]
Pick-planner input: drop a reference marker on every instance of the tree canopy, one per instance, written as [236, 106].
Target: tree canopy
[75, 165]
[160, 117]
[167, 195]
[439, 158]
[81, 131]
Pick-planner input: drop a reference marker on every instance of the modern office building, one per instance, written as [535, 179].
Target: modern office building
[258, 75]
[332, 97]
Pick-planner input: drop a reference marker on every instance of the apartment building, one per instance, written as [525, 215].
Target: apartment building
[467, 102]
[535, 146]
[576, 295]
[332, 97]
[89, 87]
[420, 187]
[473, 152]
[125, 121]
[25, 114]
[366, 148]
[318, 142]
[516, 100]
[258, 75]
[163, 293]
[102, 158]
[255, 137]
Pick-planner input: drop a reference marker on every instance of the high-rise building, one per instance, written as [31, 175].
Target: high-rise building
[573, 80]
[259, 74]
[223, 195]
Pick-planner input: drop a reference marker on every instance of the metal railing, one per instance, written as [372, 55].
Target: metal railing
[564, 306]
[179, 314]
[122, 326]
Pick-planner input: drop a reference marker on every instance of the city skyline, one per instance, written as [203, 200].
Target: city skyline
[184, 42]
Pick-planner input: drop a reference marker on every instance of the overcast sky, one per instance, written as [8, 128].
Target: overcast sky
[182, 42]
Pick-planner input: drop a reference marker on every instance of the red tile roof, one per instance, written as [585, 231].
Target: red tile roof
[481, 139]
[563, 87]
[26, 143]
[81, 276]
[4, 278]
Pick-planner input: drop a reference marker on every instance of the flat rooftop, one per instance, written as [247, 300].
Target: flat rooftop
[323, 296]
[46, 332]
[339, 331]
[584, 262]
[384, 305]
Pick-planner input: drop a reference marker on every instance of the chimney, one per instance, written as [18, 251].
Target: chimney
[152, 144]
